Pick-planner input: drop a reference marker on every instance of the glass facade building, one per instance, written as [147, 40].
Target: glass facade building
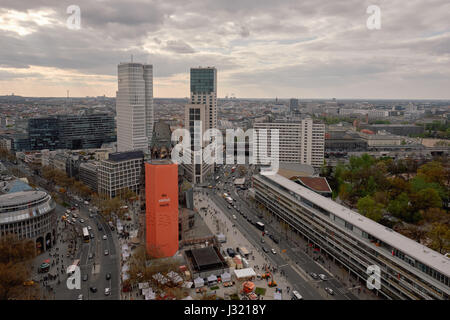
[70, 132]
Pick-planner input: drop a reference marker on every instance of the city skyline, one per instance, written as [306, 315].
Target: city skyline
[308, 49]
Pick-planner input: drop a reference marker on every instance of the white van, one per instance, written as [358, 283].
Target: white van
[296, 295]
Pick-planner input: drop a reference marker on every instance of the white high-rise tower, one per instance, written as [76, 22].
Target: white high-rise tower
[134, 106]
[201, 109]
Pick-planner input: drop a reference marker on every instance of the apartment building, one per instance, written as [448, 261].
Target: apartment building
[300, 142]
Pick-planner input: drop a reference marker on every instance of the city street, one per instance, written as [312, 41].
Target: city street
[295, 258]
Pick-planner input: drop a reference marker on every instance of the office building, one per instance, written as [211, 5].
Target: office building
[299, 142]
[409, 270]
[134, 107]
[293, 104]
[69, 132]
[29, 215]
[201, 115]
[121, 171]
[161, 196]
[88, 174]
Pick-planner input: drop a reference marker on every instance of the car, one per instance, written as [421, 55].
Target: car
[89, 228]
[93, 289]
[107, 291]
[81, 220]
[274, 239]
[80, 297]
[91, 255]
[322, 277]
[265, 249]
[262, 240]
[108, 276]
[86, 202]
[105, 237]
[74, 220]
[229, 207]
[273, 251]
[91, 215]
[99, 227]
[231, 252]
[106, 252]
[234, 217]
[314, 275]
[329, 291]
[91, 235]
[85, 277]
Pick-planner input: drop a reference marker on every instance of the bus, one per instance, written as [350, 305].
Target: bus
[86, 236]
[259, 225]
[44, 267]
[296, 295]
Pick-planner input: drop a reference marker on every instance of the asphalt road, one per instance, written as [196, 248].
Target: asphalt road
[103, 263]
[295, 263]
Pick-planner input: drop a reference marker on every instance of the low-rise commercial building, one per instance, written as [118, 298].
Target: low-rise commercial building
[408, 269]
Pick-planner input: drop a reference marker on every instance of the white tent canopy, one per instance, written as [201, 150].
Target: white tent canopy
[160, 278]
[143, 285]
[244, 273]
[174, 277]
[212, 278]
[199, 282]
[226, 277]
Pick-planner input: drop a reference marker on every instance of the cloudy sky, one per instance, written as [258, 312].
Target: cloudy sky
[261, 48]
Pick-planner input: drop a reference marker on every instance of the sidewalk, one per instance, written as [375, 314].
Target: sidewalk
[218, 222]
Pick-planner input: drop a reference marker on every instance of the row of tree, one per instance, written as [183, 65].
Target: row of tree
[398, 193]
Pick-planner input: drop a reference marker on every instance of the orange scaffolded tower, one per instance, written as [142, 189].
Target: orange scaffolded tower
[161, 193]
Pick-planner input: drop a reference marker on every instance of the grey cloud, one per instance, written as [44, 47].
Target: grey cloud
[178, 46]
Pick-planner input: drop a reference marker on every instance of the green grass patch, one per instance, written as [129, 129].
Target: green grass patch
[260, 291]
[234, 296]
[214, 288]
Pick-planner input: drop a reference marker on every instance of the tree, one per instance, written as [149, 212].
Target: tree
[440, 237]
[432, 172]
[15, 268]
[400, 207]
[426, 198]
[432, 215]
[369, 208]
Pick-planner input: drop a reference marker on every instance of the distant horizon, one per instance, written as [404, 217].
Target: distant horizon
[239, 98]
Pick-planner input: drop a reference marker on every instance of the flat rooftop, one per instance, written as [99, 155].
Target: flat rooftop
[206, 258]
[21, 197]
[123, 156]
